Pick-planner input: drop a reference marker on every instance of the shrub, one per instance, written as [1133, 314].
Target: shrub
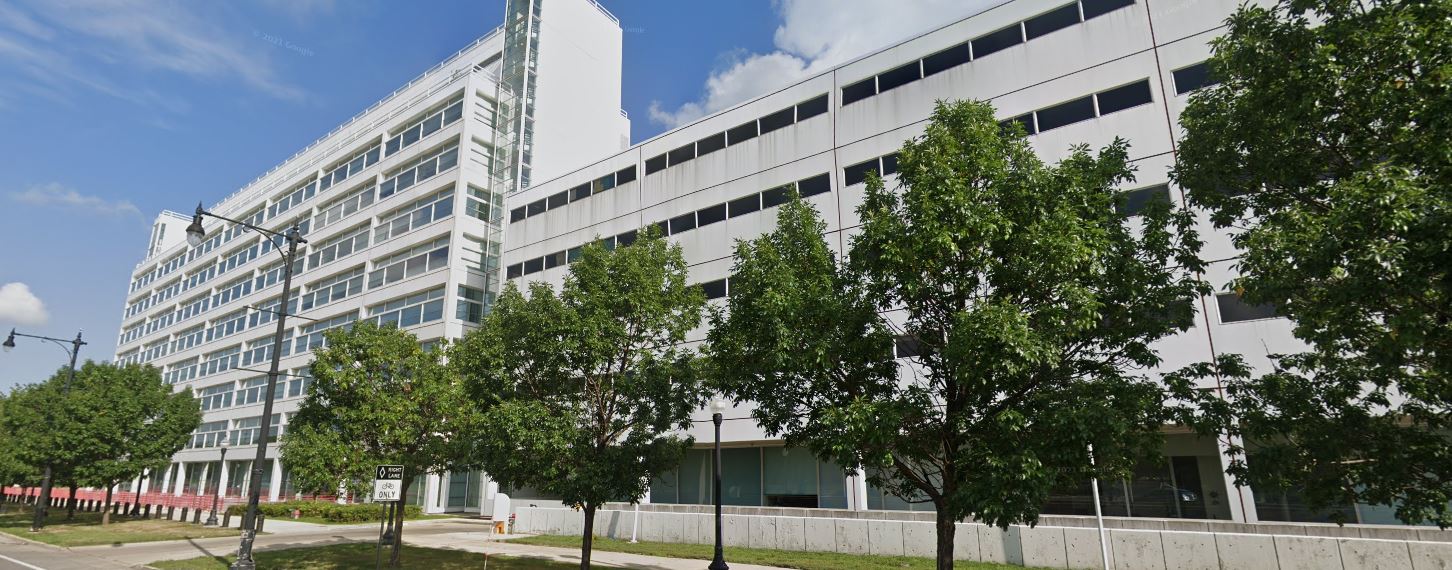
[326, 510]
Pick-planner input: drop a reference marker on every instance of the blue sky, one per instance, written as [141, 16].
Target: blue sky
[111, 111]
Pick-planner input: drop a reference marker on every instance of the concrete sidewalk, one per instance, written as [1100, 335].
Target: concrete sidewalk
[486, 542]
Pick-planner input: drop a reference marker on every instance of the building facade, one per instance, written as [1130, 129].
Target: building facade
[502, 162]
[401, 206]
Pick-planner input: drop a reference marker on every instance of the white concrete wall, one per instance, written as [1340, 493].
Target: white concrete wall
[1042, 546]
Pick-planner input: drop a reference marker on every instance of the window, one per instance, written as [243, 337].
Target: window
[535, 265]
[711, 215]
[683, 223]
[187, 339]
[1052, 21]
[336, 210]
[1121, 98]
[220, 361]
[536, 207]
[182, 371]
[857, 173]
[1026, 119]
[906, 346]
[1096, 8]
[580, 192]
[859, 91]
[1234, 309]
[409, 263]
[216, 397]
[419, 170]
[997, 41]
[272, 274]
[260, 350]
[232, 291]
[338, 247]
[711, 144]
[1067, 113]
[778, 120]
[947, 59]
[682, 154]
[811, 108]
[209, 434]
[1194, 77]
[335, 288]
[408, 311]
[483, 205]
[516, 270]
[624, 175]
[516, 214]
[655, 164]
[422, 212]
[247, 431]
[291, 199]
[431, 122]
[898, 77]
[350, 167]
[228, 325]
[297, 384]
[554, 260]
[741, 206]
[819, 184]
[557, 200]
[1134, 202]
[775, 196]
[741, 133]
[714, 289]
[625, 238]
[889, 164]
[470, 306]
[311, 335]
[266, 311]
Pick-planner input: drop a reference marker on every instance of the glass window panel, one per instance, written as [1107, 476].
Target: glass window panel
[1096, 8]
[947, 59]
[655, 164]
[997, 41]
[741, 133]
[1121, 98]
[778, 120]
[741, 477]
[745, 205]
[859, 91]
[899, 76]
[811, 108]
[1052, 21]
[1065, 114]
[1234, 309]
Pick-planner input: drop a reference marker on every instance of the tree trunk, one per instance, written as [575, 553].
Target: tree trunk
[946, 528]
[106, 513]
[71, 503]
[394, 559]
[587, 541]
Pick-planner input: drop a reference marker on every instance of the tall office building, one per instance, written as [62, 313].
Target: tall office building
[401, 206]
[503, 161]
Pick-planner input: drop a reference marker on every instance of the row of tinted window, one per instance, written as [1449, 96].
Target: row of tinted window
[857, 173]
[812, 186]
[992, 42]
[572, 195]
[740, 133]
[1190, 78]
[1085, 108]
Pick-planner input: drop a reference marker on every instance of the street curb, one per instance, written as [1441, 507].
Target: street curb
[36, 542]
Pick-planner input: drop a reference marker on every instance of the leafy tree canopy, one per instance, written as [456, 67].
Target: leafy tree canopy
[1029, 302]
[1324, 150]
[582, 391]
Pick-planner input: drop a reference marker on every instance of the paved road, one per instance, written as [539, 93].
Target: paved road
[16, 554]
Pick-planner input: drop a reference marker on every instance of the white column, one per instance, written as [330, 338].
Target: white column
[857, 492]
[1242, 501]
[222, 479]
[276, 486]
[167, 477]
[181, 479]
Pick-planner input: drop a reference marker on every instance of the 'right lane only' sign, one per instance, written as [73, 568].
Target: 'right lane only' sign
[387, 483]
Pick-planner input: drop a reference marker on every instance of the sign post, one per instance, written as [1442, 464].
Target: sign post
[387, 483]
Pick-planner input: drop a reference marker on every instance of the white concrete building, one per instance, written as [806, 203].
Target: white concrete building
[429, 254]
[402, 213]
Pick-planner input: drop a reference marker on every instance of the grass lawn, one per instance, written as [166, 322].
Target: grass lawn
[86, 529]
[782, 558]
[350, 556]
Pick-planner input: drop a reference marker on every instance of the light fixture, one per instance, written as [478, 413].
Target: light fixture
[718, 405]
[9, 341]
[195, 233]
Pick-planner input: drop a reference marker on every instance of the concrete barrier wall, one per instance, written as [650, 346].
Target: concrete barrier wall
[1041, 546]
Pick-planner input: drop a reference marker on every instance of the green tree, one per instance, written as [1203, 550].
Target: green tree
[377, 398]
[1030, 302]
[114, 422]
[581, 392]
[1324, 150]
[13, 470]
[141, 421]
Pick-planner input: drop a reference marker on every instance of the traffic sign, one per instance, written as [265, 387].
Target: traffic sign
[387, 483]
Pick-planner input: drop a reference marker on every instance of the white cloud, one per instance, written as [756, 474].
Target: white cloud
[101, 45]
[55, 194]
[18, 305]
[814, 36]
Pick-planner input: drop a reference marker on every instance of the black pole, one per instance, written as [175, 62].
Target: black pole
[42, 506]
[254, 492]
[719, 562]
[217, 491]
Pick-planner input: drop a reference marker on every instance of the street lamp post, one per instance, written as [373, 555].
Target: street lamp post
[217, 491]
[293, 237]
[717, 407]
[42, 506]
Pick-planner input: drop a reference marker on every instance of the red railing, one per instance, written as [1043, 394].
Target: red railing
[153, 498]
